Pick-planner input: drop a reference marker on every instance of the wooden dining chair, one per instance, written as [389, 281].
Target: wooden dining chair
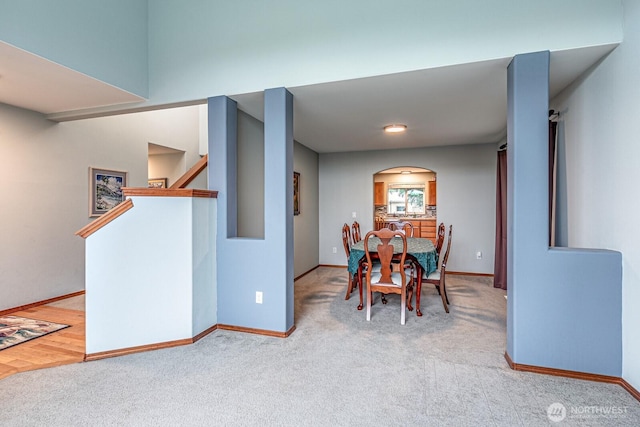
[437, 278]
[346, 242]
[355, 228]
[406, 227]
[440, 239]
[391, 276]
[393, 225]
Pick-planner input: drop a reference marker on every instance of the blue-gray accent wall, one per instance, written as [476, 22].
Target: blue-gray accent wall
[249, 265]
[564, 308]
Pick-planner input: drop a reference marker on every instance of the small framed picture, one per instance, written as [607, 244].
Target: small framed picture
[105, 190]
[296, 193]
[158, 183]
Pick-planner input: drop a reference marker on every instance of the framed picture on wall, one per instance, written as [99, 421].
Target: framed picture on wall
[158, 183]
[296, 193]
[105, 190]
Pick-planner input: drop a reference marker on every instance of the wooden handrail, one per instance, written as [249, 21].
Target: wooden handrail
[169, 192]
[105, 219]
[176, 190]
[192, 173]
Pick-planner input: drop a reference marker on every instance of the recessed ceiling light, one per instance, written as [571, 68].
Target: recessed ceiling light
[396, 128]
[405, 172]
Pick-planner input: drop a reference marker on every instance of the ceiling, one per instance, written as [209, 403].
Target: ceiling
[31, 82]
[459, 104]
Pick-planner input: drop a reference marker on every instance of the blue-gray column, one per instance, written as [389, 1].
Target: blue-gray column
[223, 161]
[278, 192]
[244, 265]
[564, 307]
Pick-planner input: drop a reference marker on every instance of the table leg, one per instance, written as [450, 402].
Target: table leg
[418, 289]
[410, 289]
[361, 283]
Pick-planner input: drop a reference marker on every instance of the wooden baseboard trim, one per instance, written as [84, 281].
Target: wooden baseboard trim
[43, 302]
[138, 349]
[630, 389]
[463, 273]
[187, 341]
[149, 347]
[258, 331]
[332, 266]
[305, 273]
[573, 374]
[204, 333]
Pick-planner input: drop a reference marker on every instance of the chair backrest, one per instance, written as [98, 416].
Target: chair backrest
[440, 238]
[385, 253]
[393, 225]
[446, 253]
[406, 227]
[355, 227]
[346, 239]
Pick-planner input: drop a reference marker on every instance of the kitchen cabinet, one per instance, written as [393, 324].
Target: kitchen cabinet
[431, 199]
[425, 228]
[379, 194]
[428, 229]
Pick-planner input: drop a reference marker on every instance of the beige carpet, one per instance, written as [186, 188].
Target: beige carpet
[336, 369]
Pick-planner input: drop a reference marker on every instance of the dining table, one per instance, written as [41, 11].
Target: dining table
[420, 250]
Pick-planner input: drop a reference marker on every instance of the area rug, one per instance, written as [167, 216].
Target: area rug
[16, 330]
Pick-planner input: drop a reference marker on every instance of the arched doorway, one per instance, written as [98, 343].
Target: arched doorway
[409, 194]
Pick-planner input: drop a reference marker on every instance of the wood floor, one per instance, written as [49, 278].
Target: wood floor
[58, 348]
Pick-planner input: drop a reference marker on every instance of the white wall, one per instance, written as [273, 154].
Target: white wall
[599, 121]
[170, 166]
[44, 167]
[466, 198]
[129, 304]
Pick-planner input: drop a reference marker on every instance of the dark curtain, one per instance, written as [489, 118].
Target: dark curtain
[500, 264]
[552, 182]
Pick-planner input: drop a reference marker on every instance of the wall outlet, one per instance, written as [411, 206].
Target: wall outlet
[353, 214]
[335, 250]
[258, 297]
[478, 255]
